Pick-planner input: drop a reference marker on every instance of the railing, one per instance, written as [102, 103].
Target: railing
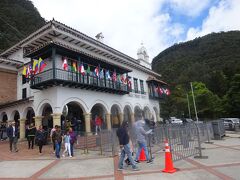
[76, 78]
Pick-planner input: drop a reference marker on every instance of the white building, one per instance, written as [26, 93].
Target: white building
[41, 100]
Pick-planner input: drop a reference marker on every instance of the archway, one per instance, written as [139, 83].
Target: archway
[16, 118]
[75, 116]
[156, 118]
[29, 116]
[47, 121]
[127, 114]
[98, 110]
[137, 113]
[115, 116]
[4, 117]
[147, 113]
[3, 126]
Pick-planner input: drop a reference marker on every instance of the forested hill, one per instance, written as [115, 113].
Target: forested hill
[214, 61]
[203, 59]
[18, 18]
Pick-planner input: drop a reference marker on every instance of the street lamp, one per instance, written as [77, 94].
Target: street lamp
[189, 111]
[195, 108]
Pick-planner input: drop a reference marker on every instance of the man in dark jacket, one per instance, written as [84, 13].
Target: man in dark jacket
[57, 136]
[123, 138]
[12, 133]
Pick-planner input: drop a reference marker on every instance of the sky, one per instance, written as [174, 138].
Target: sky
[158, 24]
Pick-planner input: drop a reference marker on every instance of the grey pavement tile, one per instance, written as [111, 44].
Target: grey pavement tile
[219, 156]
[179, 175]
[232, 171]
[228, 141]
[81, 168]
[21, 169]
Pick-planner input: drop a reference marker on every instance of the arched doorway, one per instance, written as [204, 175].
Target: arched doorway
[4, 117]
[16, 118]
[76, 117]
[127, 114]
[156, 118]
[115, 116]
[137, 113]
[98, 110]
[147, 113]
[47, 121]
[3, 126]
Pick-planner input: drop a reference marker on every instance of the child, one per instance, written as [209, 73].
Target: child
[66, 139]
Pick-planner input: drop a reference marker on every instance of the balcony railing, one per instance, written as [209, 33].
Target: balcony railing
[52, 77]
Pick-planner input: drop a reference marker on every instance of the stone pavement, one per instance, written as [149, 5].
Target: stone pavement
[223, 163]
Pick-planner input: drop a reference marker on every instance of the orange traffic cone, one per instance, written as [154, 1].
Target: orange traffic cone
[168, 160]
[142, 156]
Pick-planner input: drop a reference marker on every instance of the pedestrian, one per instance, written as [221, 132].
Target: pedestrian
[73, 139]
[98, 123]
[2, 130]
[66, 140]
[57, 136]
[52, 139]
[141, 139]
[31, 132]
[123, 138]
[40, 136]
[13, 133]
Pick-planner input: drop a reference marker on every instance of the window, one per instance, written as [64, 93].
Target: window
[24, 79]
[135, 85]
[24, 93]
[141, 87]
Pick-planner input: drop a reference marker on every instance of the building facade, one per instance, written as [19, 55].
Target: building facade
[66, 68]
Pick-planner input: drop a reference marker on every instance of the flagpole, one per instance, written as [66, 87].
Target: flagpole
[194, 104]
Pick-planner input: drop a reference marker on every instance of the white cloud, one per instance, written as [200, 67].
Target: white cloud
[189, 7]
[125, 24]
[222, 17]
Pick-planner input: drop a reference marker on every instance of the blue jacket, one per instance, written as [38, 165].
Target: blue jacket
[10, 131]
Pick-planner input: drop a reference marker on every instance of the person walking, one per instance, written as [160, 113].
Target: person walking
[66, 140]
[141, 140]
[31, 132]
[51, 136]
[57, 136]
[40, 136]
[123, 137]
[73, 139]
[98, 123]
[13, 133]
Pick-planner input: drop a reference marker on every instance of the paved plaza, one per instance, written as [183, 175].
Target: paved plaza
[223, 163]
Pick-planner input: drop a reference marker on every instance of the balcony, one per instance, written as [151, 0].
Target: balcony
[59, 77]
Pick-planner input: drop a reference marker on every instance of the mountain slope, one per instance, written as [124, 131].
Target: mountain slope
[18, 18]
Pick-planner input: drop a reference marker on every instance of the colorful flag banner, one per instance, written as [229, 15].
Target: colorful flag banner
[88, 70]
[65, 64]
[101, 75]
[122, 78]
[82, 70]
[74, 67]
[114, 76]
[96, 71]
[41, 64]
[24, 72]
[108, 74]
[35, 66]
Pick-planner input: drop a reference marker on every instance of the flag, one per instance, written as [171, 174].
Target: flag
[74, 66]
[101, 75]
[24, 72]
[42, 65]
[122, 78]
[29, 71]
[108, 75]
[114, 76]
[129, 84]
[65, 64]
[167, 92]
[35, 66]
[88, 70]
[96, 71]
[82, 70]
[118, 78]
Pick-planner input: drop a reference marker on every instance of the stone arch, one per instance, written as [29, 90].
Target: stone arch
[147, 113]
[47, 120]
[41, 105]
[75, 117]
[80, 102]
[98, 109]
[29, 114]
[116, 116]
[4, 117]
[137, 113]
[15, 116]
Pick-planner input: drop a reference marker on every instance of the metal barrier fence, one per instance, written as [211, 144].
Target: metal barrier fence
[184, 140]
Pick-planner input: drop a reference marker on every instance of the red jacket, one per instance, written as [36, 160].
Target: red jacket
[98, 121]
